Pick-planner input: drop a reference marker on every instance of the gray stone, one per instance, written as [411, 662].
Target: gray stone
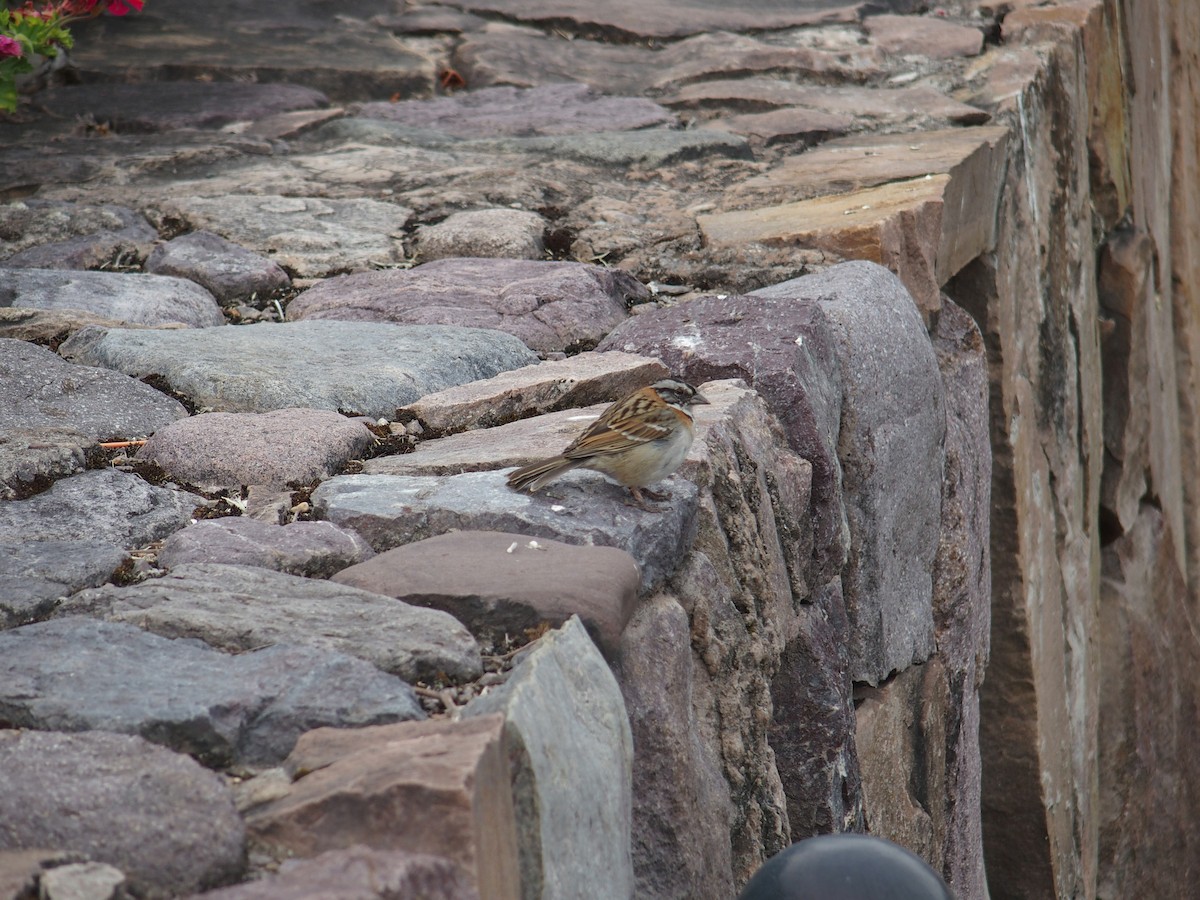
[551, 306]
[278, 448]
[107, 505]
[566, 705]
[81, 674]
[651, 148]
[358, 873]
[490, 233]
[500, 584]
[34, 575]
[306, 236]
[137, 299]
[890, 444]
[51, 234]
[580, 508]
[32, 458]
[240, 608]
[923, 36]
[554, 109]
[170, 105]
[311, 549]
[231, 273]
[48, 327]
[82, 881]
[164, 821]
[368, 368]
[44, 392]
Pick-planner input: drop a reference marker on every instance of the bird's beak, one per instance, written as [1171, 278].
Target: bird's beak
[699, 398]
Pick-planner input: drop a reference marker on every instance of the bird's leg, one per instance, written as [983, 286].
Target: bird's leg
[656, 496]
[639, 502]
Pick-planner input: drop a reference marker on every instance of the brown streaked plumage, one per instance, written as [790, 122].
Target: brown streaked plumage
[637, 441]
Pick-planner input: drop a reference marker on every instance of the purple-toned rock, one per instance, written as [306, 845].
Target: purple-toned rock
[925, 36]
[286, 446]
[51, 234]
[169, 105]
[162, 819]
[499, 583]
[551, 306]
[508, 111]
[242, 608]
[485, 233]
[136, 299]
[358, 873]
[229, 272]
[310, 549]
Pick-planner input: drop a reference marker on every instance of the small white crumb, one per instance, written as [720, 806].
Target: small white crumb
[534, 545]
[722, 296]
[511, 547]
[556, 507]
[799, 340]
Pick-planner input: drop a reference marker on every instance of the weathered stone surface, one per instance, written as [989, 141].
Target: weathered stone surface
[358, 873]
[793, 366]
[1148, 694]
[554, 109]
[48, 327]
[651, 148]
[890, 445]
[923, 36]
[34, 575]
[675, 853]
[367, 368]
[551, 306]
[305, 236]
[580, 508]
[785, 125]
[179, 104]
[565, 704]
[80, 674]
[106, 505]
[581, 380]
[343, 56]
[278, 448]
[48, 234]
[499, 583]
[311, 549]
[138, 299]
[31, 458]
[440, 787]
[486, 233]
[160, 818]
[81, 881]
[240, 608]
[20, 870]
[229, 272]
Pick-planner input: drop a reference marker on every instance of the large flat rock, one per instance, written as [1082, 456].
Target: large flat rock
[35, 575]
[82, 674]
[580, 508]
[51, 234]
[241, 608]
[368, 368]
[231, 273]
[137, 299]
[159, 817]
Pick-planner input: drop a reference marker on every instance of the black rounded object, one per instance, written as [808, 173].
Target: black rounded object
[846, 867]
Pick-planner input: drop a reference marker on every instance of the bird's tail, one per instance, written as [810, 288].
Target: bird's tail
[537, 475]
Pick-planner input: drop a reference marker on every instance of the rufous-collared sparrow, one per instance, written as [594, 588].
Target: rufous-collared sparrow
[637, 441]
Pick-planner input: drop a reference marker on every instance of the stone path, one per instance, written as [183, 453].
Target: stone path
[340, 273]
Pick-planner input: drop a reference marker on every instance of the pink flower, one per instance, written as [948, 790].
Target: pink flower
[122, 7]
[10, 46]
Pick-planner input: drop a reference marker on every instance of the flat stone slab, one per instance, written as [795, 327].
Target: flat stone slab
[229, 272]
[286, 446]
[499, 583]
[169, 105]
[552, 109]
[309, 237]
[489, 233]
[52, 234]
[550, 306]
[137, 299]
[82, 674]
[105, 505]
[440, 787]
[568, 709]
[579, 508]
[580, 380]
[364, 367]
[652, 148]
[159, 817]
[239, 608]
[32, 458]
[310, 549]
[926, 36]
[35, 575]
[358, 873]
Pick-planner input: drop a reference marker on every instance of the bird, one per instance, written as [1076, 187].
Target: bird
[637, 441]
